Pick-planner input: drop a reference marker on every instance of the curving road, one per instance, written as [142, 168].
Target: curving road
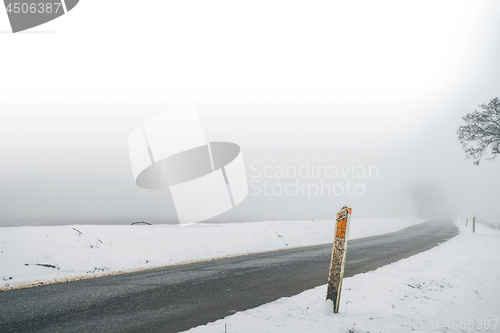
[176, 298]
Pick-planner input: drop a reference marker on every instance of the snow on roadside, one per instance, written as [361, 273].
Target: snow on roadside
[33, 255]
[454, 287]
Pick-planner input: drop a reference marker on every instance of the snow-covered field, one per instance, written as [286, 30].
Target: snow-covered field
[454, 287]
[34, 255]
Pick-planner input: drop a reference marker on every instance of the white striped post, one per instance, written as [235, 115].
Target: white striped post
[339, 251]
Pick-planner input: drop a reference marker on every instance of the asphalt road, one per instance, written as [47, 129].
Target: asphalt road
[177, 298]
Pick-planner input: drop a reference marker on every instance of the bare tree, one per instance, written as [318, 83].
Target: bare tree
[482, 130]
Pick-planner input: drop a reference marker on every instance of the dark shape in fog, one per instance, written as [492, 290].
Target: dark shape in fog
[427, 199]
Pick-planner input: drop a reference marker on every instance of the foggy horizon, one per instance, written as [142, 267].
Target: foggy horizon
[364, 87]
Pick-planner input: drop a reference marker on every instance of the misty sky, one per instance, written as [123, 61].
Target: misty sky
[365, 83]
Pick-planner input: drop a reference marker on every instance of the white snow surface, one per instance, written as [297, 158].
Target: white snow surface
[105, 249]
[454, 287]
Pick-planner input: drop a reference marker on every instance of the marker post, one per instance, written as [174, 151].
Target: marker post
[339, 251]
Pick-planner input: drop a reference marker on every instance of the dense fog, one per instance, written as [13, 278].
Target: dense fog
[356, 104]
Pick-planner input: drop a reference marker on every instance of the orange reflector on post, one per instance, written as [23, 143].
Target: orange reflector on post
[339, 251]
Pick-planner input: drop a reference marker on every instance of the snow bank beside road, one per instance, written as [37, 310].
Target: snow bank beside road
[70, 252]
[454, 287]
